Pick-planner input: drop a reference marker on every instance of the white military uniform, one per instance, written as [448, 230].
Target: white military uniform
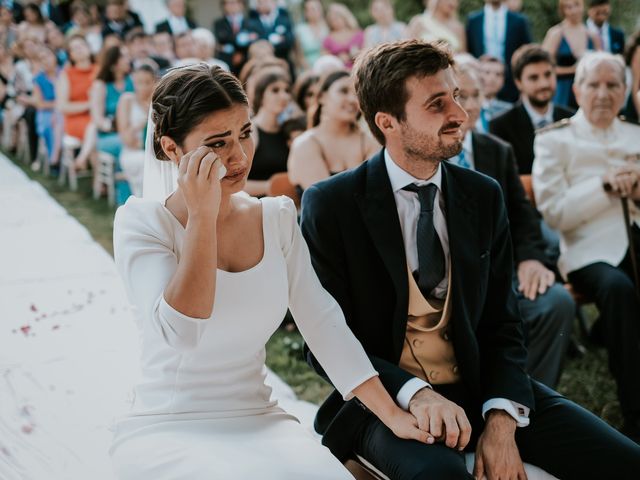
[571, 157]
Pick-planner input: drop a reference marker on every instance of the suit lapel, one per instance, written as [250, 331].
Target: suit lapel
[462, 226]
[380, 215]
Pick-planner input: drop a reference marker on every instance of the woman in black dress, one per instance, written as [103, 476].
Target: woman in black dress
[271, 98]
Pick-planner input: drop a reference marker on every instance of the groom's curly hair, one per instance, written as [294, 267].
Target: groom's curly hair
[185, 96]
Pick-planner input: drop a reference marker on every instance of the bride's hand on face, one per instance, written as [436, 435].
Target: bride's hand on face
[199, 181]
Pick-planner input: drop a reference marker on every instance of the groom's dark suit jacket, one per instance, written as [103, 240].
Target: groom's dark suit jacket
[351, 225]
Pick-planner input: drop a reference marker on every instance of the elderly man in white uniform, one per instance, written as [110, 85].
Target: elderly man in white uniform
[585, 167]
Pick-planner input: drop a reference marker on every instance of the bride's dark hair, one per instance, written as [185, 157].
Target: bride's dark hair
[185, 96]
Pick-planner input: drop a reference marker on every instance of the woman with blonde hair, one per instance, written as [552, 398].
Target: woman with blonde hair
[567, 42]
[345, 39]
[440, 22]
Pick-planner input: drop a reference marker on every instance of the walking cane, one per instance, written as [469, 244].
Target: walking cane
[632, 247]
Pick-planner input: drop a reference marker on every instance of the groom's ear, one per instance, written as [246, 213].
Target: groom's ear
[386, 123]
[170, 149]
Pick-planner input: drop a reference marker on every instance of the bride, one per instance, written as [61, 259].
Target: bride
[212, 272]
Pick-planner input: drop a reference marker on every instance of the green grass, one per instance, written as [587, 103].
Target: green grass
[585, 380]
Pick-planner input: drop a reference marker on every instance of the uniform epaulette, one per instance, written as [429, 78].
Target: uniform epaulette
[555, 125]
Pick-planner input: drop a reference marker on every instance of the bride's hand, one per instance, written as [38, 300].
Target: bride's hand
[199, 182]
[404, 425]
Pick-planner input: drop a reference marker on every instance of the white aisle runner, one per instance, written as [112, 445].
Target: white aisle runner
[68, 341]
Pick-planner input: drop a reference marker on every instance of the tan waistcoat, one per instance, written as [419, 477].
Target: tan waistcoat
[428, 352]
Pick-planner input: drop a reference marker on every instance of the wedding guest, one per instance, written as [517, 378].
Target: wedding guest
[293, 128]
[345, 39]
[176, 22]
[212, 273]
[271, 96]
[72, 96]
[535, 75]
[185, 48]
[34, 24]
[305, 90]
[611, 38]
[514, 5]
[118, 20]
[233, 35]
[335, 142]
[28, 51]
[439, 21]
[58, 43]
[492, 79]
[310, 34]
[8, 28]
[585, 168]
[139, 45]
[273, 24]
[205, 49]
[82, 24]
[112, 80]
[547, 309]
[386, 28]
[567, 42]
[48, 121]
[163, 46]
[131, 115]
[497, 31]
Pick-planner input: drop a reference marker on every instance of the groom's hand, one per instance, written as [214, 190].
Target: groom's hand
[442, 418]
[497, 455]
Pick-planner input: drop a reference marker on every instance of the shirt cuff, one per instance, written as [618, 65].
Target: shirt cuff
[519, 412]
[408, 390]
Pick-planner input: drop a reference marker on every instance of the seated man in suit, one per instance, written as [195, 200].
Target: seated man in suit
[492, 80]
[611, 38]
[585, 167]
[176, 22]
[417, 252]
[118, 20]
[233, 35]
[496, 31]
[534, 74]
[547, 308]
[272, 23]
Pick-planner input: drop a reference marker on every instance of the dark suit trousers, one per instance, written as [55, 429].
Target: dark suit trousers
[563, 439]
[614, 293]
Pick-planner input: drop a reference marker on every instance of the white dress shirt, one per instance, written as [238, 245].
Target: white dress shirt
[408, 207]
[495, 30]
[602, 32]
[538, 120]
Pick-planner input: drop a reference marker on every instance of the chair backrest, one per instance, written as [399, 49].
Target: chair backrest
[279, 184]
[528, 188]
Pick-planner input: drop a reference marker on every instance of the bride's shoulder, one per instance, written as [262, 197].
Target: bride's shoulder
[141, 215]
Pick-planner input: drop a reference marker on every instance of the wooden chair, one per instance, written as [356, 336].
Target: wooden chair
[279, 184]
[363, 470]
[105, 175]
[67, 163]
[579, 299]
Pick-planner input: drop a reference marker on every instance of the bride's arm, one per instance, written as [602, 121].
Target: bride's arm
[175, 297]
[325, 330]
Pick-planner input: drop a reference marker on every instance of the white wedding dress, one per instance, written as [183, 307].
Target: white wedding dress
[202, 409]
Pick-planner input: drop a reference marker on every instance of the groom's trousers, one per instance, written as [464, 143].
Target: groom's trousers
[562, 438]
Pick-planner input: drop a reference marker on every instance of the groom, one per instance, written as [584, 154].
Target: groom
[417, 252]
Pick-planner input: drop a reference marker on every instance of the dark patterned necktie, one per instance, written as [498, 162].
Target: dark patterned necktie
[430, 253]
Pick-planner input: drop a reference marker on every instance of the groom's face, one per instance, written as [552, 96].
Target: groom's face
[432, 127]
